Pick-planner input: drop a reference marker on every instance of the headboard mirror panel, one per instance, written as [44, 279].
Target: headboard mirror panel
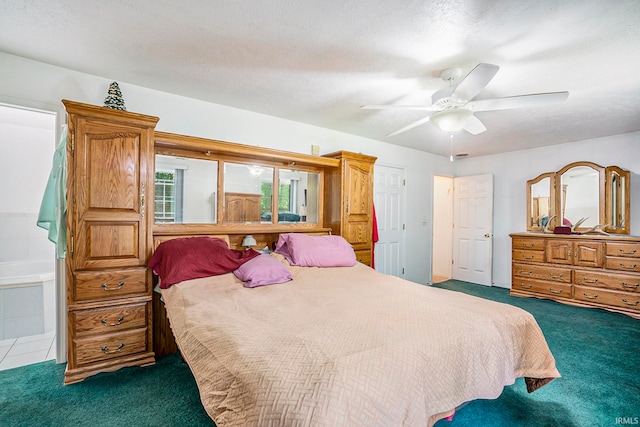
[204, 186]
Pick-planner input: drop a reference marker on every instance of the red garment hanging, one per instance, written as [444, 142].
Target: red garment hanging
[374, 237]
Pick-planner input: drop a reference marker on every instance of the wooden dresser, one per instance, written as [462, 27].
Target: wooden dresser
[241, 207]
[109, 223]
[583, 270]
[348, 208]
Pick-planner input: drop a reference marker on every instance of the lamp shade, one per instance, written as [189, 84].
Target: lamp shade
[451, 120]
[248, 241]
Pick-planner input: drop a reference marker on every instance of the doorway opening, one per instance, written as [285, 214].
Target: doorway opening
[442, 250]
[27, 257]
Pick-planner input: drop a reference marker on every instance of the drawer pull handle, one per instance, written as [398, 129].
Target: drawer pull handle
[554, 291]
[527, 257]
[105, 349]
[635, 304]
[630, 267]
[559, 276]
[530, 245]
[522, 285]
[105, 286]
[628, 286]
[527, 273]
[585, 280]
[622, 251]
[590, 296]
[105, 323]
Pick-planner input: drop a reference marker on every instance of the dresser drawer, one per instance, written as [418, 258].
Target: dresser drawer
[110, 346]
[107, 320]
[528, 244]
[543, 272]
[524, 255]
[623, 264]
[618, 249]
[105, 285]
[597, 279]
[541, 287]
[626, 300]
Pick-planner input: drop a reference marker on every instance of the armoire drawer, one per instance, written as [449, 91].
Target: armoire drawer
[597, 279]
[626, 300]
[110, 319]
[542, 287]
[542, 272]
[109, 284]
[364, 257]
[110, 346]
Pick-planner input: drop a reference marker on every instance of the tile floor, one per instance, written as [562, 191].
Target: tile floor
[22, 351]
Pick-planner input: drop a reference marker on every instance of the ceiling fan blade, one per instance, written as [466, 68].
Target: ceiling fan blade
[521, 101]
[399, 107]
[474, 82]
[474, 126]
[411, 126]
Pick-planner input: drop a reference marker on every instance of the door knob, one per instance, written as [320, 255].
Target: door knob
[487, 235]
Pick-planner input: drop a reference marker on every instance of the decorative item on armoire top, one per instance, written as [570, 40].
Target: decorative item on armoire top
[114, 99]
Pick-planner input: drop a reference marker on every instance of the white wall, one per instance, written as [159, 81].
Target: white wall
[35, 84]
[510, 184]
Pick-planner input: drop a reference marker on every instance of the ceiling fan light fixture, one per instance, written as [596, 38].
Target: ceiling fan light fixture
[451, 120]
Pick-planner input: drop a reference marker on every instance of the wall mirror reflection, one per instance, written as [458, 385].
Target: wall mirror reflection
[297, 197]
[248, 191]
[185, 190]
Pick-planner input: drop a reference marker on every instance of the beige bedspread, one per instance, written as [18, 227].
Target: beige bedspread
[347, 347]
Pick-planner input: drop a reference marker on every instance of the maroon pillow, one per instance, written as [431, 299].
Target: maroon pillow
[187, 258]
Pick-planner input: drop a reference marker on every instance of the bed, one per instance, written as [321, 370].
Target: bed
[301, 345]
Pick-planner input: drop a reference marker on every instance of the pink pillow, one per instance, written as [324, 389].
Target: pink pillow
[263, 270]
[316, 251]
[181, 259]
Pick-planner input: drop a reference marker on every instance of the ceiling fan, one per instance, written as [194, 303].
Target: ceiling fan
[453, 108]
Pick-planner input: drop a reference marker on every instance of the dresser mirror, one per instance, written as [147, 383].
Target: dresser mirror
[618, 189]
[581, 195]
[540, 201]
[185, 190]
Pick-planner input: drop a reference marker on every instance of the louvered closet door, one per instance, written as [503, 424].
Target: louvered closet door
[110, 194]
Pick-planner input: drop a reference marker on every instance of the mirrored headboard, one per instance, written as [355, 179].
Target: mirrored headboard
[204, 184]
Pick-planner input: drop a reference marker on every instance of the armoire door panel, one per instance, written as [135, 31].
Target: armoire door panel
[112, 172]
[119, 240]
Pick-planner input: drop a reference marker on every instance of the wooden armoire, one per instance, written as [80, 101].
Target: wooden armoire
[348, 201]
[109, 239]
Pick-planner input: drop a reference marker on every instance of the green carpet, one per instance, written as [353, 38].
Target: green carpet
[597, 353]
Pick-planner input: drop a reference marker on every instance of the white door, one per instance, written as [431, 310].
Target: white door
[473, 229]
[388, 200]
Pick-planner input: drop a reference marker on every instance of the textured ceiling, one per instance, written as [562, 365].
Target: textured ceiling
[317, 62]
